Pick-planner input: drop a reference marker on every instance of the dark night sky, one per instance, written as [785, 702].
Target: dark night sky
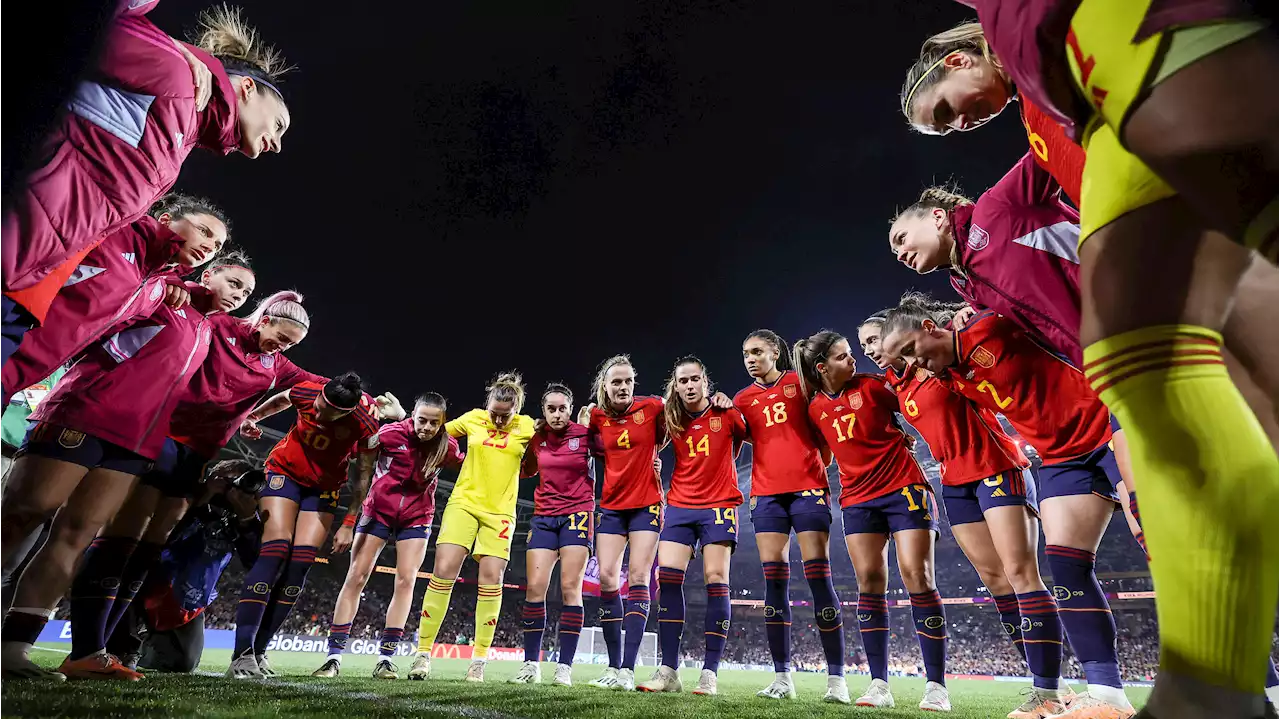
[470, 187]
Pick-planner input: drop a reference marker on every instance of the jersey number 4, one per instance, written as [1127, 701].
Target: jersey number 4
[624, 439]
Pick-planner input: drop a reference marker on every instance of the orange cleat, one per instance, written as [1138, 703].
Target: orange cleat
[98, 666]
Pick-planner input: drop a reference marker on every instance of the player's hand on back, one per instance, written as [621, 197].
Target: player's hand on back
[657, 466]
[720, 400]
[342, 539]
[962, 317]
[176, 297]
[200, 76]
[249, 429]
[389, 408]
[584, 414]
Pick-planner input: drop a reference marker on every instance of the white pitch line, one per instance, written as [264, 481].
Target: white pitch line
[51, 649]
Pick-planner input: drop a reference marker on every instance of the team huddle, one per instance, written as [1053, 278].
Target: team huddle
[1121, 274]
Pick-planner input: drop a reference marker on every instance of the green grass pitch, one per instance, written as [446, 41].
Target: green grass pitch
[356, 694]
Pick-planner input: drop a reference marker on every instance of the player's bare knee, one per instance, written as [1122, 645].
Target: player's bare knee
[917, 579]
[1025, 577]
[404, 583]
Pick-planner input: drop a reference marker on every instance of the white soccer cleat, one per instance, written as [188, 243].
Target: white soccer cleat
[664, 679]
[936, 698]
[779, 689]
[1087, 706]
[385, 670]
[475, 672]
[530, 673]
[1039, 704]
[877, 695]
[421, 668]
[564, 675]
[246, 667]
[625, 681]
[706, 684]
[264, 666]
[331, 668]
[837, 690]
[21, 667]
[606, 680]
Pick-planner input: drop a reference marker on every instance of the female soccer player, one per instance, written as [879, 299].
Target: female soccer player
[631, 430]
[1179, 153]
[123, 142]
[883, 494]
[399, 508]
[702, 512]
[100, 429]
[113, 282]
[304, 472]
[479, 518]
[563, 527]
[789, 493]
[1000, 367]
[990, 505]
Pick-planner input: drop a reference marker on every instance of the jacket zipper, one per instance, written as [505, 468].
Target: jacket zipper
[185, 366]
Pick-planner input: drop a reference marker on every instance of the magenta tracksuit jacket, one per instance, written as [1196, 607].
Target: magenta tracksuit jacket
[401, 497]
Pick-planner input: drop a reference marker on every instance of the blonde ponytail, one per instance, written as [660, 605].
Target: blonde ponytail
[508, 387]
[224, 34]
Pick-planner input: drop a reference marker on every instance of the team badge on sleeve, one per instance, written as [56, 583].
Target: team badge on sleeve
[715, 424]
[638, 417]
[978, 238]
[983, 357]
[789, 391]
[855, 401]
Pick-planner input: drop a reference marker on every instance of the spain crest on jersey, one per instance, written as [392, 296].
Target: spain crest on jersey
[983, 357]
[638, 416]
[978, 238]
[574, 444]
[921, 374]
[855, 401]
[715, 424]
[789, 391]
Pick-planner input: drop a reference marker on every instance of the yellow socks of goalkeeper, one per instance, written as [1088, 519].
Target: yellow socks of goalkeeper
[434, 605]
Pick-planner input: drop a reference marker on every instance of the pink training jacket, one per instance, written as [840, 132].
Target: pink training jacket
[119, 280]
[234, 379]
[124, 389]
[1018, 257]
[401, 497]
[119, 149]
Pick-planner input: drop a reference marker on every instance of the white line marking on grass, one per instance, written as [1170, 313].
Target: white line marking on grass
[51, 649]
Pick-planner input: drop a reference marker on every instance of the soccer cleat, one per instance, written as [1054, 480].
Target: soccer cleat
[706, 684]
[245, 667]
[837, 690]
[1091, 707]
[1066, 694]
[564, 675]
[330, 669]
[936, 698]
[421, 668]
[606, 680]
[264, 666]
[97, 666]
[24, 668]
[877, 695]
[625, 681]
[385, 670]
[664, 679]
[475, 672]
[530, 673]
[1039, 703]
[779, 689]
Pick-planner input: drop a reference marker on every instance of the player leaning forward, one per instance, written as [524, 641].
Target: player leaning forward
[479, 519]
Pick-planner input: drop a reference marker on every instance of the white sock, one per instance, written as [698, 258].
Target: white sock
[336, 657]
[1111, 695]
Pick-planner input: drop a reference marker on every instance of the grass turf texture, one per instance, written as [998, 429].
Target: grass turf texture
[445, 694]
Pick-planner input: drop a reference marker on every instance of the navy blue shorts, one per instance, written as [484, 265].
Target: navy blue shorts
[966, 503]
[564, 530]
[69, 445]
[308, 499]
[369, 525]
[1093, 473]
[912, 507]
[179, 471]
[625, 521]
[807, 511]
[693, 527]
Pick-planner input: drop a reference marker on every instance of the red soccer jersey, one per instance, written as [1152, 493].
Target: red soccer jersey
[1054, 151]
[967, 440]
[870, 448]
[704, 476]
[1047, 401]
[630, 442]
[784, 450]
[314, 453]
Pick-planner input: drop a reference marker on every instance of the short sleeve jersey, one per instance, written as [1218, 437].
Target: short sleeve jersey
[967, 440]
[630, 441]
[869, 446]
[315, 453]
[704, 476]
[784, 447]
[490, 475]
[1049, 402]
